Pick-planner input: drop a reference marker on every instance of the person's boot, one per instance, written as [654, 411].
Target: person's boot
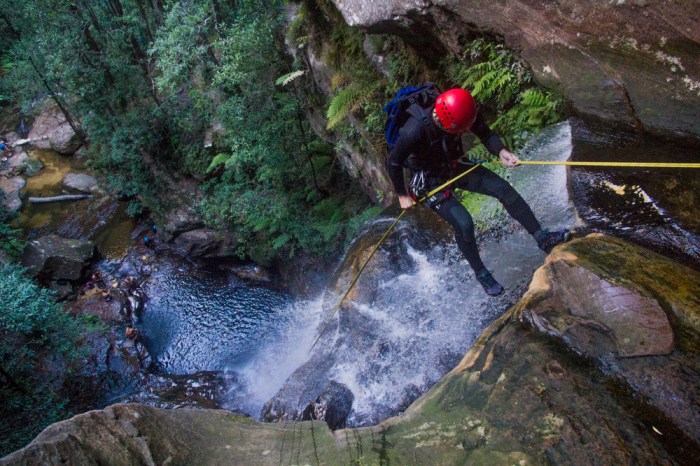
[491, 286]
[546, 240]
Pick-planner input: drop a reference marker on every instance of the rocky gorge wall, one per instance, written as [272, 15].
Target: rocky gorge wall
[633, 64]
[596, 364]
[626, 66]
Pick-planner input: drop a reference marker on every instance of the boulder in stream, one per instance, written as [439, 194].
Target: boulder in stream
[11, 188]
[54, 258]
[17, 164]
[205, 243]
[81, 181]
[333, 405]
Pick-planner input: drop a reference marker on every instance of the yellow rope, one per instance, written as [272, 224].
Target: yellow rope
[614, 164]
[381, 240]
[448, 183]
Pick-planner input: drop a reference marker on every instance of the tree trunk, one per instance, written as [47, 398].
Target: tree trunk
[144, 18]
[64, 197]
[157, 6]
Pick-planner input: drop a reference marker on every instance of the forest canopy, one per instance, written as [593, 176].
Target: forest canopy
[148, 81]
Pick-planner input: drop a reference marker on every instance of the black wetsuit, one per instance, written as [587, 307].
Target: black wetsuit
[440, 156]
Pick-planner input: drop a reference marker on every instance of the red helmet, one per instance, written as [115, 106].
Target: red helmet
[456, 110]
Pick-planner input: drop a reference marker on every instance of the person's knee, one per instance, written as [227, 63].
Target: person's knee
[509, 196]
[464, 229]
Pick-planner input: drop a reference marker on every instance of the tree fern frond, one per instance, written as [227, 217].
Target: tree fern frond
[341, 105]
[218, 160]
[289, 77]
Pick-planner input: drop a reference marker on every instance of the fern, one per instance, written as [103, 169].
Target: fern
[534, 98]
[503, 84]
[280, 241]
[341, 104]
[218, 160]
[348, 100]
[289, 77]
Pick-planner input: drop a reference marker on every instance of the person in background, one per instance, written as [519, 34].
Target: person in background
[5, 149]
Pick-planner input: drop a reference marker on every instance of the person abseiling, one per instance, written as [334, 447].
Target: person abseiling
[431, 147]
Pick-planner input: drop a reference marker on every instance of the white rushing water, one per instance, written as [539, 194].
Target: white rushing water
[267, 368]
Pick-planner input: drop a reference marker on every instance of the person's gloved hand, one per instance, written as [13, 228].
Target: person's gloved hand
[508, 159]
[405, 201]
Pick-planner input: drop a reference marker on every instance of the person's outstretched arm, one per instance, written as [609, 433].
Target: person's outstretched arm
[492, 142]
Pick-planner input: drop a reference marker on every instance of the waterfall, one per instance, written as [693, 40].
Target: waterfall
[417, 308]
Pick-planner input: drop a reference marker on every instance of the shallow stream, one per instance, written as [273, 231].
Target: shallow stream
[101, 219]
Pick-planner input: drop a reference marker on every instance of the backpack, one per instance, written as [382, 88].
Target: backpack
[409, 101]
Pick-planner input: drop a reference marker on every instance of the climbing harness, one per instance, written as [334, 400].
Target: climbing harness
[440, 188]
[445, 185]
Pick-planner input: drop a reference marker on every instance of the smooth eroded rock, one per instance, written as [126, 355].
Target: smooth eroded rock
[50, 130]
[57, 258]
[81, 181]
[519, 396]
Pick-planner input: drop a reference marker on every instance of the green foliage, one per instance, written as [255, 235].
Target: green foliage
[10, 242]
[181, 44]
[346, 101]
[504, 86]
[38, 341]
[280, 188]
[289, 77]
[218, 160]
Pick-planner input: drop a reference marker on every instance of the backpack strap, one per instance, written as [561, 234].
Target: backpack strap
[418, 112]
[422, 115]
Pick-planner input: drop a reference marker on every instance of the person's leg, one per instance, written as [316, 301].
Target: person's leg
[459, 218]
[486, 182]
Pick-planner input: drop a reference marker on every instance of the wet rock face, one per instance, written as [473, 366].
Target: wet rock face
[179, 221]
[56, 258]
[633, 64]
[635, 313]
[654, 208]
[333, 405]
[202, 390]
[50, 130]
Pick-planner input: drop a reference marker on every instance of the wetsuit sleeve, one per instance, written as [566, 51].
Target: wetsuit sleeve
[409, 136]
[486, 135]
